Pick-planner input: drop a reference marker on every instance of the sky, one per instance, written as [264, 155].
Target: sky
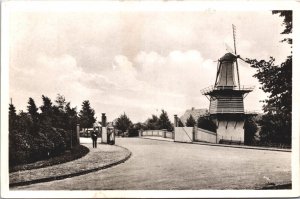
[135, 62]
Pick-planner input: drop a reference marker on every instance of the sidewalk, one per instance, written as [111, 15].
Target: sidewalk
[102, 157]
[157, 138]
[220, 145]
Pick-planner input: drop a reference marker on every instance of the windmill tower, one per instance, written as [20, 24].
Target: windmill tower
[227, 99]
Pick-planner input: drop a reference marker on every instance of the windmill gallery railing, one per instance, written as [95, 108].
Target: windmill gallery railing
[211, 88]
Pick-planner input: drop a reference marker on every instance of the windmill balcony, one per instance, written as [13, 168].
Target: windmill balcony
[227, 110]
[210, 89]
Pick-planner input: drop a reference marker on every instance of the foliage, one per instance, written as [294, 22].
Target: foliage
[71, 116]
[86, 115]
[205, 122]
[164, 122]
[47, 111]
[12, 115]
[251, 128]
[34, 136]
[152, 123]
[134, 129]
[32, 108]
[287, 22]
[76, 152]
[190, 122]
[33, 112]
[180, 124]
[276, 80]
[123, 123]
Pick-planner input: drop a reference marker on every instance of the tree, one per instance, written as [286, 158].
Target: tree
[72, 117]
[33, 111]
[123, 123]
[86, 115]
[152, 123]
[190, 122]
[180, 124]
[287, 22]
[12, 115]
[164, 122]
[251, 128]
[61, 102]
[47, 111]
[134, 129]
[32, 108]
[60, 117]
[206, 123]
[276, 80]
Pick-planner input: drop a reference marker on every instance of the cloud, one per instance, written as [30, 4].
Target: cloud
[137, 62]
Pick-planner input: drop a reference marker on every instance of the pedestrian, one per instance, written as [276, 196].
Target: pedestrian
[94, 138]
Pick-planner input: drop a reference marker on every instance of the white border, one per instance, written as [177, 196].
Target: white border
[93, 6]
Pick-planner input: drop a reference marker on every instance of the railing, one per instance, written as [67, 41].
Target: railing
[228, 110]
[211, 88]
[256, 112]
[207, 90]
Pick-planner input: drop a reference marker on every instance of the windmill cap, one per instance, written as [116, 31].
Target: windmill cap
[228, 57]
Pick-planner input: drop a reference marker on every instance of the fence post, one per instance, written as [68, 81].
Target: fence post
[194, 133]
[175, 121]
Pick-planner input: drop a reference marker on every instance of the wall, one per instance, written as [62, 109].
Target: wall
[169, 134]
[234, 131]
[158, 133]
[184, 134]
[203, 135]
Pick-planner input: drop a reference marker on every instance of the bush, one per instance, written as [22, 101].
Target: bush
[206, 123]
[49, 142]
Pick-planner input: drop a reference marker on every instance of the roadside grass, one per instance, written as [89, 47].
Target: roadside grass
[76, 153]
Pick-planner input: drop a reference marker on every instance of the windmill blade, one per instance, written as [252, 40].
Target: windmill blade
[238, 74]
[233, 32]
[218, 72]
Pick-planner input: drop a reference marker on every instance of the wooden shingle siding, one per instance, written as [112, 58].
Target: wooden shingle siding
[227, 104]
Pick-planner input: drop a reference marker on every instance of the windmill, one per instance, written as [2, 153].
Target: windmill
[227, 98]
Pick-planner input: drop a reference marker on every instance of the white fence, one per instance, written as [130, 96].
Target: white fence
[158, 133]
[184, 134]
[203, 135]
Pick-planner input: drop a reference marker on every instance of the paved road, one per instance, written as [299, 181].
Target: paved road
[161, 165]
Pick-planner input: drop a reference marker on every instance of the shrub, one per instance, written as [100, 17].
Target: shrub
[206, 123]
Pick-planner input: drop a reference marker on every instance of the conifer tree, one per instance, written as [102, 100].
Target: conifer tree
[86, 115]
[164, 122]
[123, 123]
[12, 116]
[190, 122]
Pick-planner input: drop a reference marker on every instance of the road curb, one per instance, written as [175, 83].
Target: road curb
[157, 139]
[224, 145]
[60, 177]
[243, 147]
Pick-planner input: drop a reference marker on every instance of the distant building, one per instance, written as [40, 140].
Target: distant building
[196, 113]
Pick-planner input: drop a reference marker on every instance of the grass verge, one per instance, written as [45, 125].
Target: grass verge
[76, 153]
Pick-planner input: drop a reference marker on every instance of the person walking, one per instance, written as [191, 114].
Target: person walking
[94, 138]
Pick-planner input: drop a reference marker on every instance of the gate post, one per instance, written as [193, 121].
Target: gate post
[175, 121]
